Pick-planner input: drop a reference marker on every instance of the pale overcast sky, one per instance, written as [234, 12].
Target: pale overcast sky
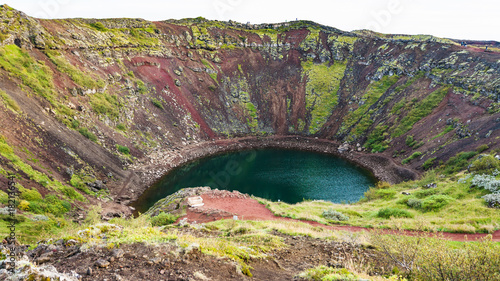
[459, 19]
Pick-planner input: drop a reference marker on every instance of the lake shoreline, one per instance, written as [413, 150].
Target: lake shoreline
[157, 164]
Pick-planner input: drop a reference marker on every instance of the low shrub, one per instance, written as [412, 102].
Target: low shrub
[29, 194]
[493, 200]
[487, 182]
[88, 134]
[458, 162]
[121, 127]
[485, 164]
[163, 219]
[414, 203]
[436, 202]
[426, 192]
[482, 148]
[334, 215]
[157, 103]
[428, 163]
[387, 213]
[425, 258]
[123, 149]
[410, 141]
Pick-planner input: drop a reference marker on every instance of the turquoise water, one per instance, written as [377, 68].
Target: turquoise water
[287, 175]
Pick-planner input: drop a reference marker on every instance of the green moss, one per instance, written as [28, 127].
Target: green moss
[141, 87]
[88, 134]
[420, 110]
[106, 104]
[81, 78]
[436, 202]
[157, 103]
[410, 141]
[411, 157]
[446, 130]
[34, 74]
[9, 102]
[252, 119]
[322, 85]
[377, 139]
[362, 115]
[99, 26]
[78, 183]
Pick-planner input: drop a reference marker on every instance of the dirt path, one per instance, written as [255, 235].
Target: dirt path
[246, 208]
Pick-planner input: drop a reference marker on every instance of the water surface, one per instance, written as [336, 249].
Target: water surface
[287, 175]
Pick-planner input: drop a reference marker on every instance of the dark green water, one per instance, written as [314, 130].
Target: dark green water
[288, 175]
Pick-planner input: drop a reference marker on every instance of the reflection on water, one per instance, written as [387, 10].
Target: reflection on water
[288, 175]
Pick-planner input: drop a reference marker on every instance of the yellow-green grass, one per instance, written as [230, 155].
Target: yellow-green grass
[466, 212]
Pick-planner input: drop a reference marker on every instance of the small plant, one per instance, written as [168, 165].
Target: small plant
[410, 141]
[163, 219]
[88, 134]
[487, 182]
[413, 156]
[121, 127]
[428, 163]
[75, 124]
[387, 213]
[482, 148]
[123, 149]
[157, 103]
[334, 215]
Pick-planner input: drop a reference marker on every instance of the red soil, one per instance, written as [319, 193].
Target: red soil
[223, 207]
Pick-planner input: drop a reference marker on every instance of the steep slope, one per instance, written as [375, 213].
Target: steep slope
[94, 105]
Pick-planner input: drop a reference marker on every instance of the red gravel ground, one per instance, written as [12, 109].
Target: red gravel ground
[223, 205]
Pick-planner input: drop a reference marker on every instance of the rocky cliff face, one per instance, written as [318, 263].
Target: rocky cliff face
[92, 104]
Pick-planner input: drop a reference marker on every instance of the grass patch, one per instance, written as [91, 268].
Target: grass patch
[420, 110]
[458, 162]
[106, 104]
[33, 174]
[157, 103]
[334, 215]
[361, 115]
[123, 149]
[388, 213]
[326, 273]
[163, 219]
[322, 84]
[88, 134]
[34, 74]
[411, 157]
[81, 78]
[9, 102]
[430, 257]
